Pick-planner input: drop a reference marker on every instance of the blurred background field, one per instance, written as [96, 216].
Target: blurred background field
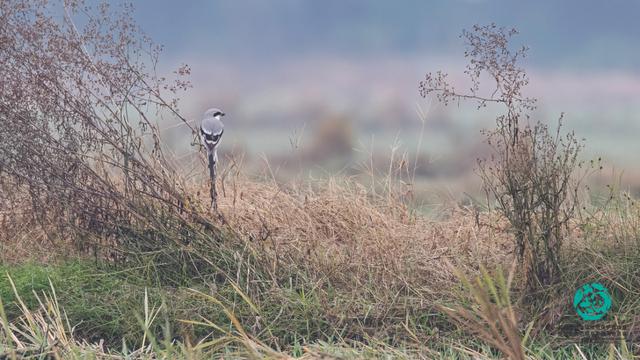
[318, 87]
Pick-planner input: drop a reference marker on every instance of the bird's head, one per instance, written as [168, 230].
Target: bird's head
[214, 113]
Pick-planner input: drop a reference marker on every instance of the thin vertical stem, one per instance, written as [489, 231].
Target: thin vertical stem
[212, 175]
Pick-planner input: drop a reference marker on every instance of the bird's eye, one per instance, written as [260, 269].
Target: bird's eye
[217, 113]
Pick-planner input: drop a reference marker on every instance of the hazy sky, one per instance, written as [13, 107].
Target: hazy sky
[365, 57]
[562, 34]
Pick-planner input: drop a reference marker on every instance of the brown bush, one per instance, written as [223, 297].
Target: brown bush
[79, 145]
[332, 138]
[530, 175]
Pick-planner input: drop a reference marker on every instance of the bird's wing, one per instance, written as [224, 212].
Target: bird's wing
[212, 126]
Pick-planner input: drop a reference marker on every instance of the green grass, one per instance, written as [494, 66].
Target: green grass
[101, 304]
[105, 304]
[112, 305]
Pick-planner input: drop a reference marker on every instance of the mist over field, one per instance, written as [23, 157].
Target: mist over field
[282, 68]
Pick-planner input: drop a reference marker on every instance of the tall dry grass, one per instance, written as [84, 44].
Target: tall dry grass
[337, 228]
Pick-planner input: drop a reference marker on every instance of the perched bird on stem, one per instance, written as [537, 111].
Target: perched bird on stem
[211, 130]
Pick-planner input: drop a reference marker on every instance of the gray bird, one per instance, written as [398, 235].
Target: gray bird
[211, 130]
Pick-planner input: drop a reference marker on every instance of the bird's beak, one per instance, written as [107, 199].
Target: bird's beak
[223, 114]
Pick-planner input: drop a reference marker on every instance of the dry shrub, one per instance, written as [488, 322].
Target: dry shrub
[530, 175]
[80, 152]
[332, 138]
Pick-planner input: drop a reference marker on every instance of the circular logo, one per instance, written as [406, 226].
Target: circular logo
[592, 301]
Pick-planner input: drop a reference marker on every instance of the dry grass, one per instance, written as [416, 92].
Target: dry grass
[337, 229]
[495, 321]
[22, 237]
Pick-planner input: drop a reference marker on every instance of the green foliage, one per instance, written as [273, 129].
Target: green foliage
[112, 306]
[100, 304]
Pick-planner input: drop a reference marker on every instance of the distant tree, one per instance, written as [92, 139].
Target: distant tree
[333, 137]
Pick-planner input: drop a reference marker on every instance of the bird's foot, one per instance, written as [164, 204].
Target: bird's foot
[216, 211]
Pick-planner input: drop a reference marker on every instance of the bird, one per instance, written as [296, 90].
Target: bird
[211, 130]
